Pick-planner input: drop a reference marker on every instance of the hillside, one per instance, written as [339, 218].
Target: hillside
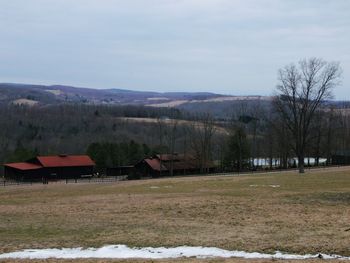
[58, 93]
[219, 105]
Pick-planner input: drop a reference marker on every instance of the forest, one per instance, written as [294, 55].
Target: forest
[122, 135]
[300, 122]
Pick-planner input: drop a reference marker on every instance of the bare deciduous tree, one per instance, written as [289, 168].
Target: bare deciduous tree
[172, 135]
[201, 135]
[301, 91]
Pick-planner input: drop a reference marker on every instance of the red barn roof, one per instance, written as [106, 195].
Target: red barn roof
[65, 160]
[23, 166]
[53, 161]
[155, 164]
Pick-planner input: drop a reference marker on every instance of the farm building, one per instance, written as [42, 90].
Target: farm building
[163, 164]
[341, 158]
[47, 168]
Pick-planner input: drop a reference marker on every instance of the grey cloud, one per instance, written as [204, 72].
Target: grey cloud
[229, 46]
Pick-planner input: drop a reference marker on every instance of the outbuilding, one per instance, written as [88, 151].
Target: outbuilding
[48, 168]
[341, 158]
[170, 164]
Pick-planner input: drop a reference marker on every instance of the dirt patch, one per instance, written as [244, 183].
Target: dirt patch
[329, 198]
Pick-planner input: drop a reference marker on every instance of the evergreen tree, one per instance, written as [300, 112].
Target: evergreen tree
[237, 152]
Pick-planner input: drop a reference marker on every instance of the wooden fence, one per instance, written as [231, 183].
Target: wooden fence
[109, 179]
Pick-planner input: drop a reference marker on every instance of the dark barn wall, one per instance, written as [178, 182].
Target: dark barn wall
[56, 173]
[340, 159]
[47, 174]
[2, 171]
[27, 175]
[144, 170]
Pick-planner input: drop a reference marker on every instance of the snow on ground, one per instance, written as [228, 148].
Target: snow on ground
[157, 187]
[263, 185]
[123, 252]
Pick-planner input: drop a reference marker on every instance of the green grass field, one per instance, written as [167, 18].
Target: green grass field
[263, 212]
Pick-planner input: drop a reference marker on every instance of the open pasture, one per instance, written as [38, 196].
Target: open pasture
[258, 213]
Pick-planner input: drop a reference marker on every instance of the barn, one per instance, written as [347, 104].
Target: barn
[163, 164]
[50, 168]
[341, 158]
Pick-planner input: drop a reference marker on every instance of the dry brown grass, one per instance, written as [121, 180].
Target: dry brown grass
[218, 128]
[169, 104]
[306, 214]
[175, 103]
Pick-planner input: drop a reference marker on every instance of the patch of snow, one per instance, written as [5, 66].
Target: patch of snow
[156, 187]
[263, 185]
[54, 91]
[25, 102]
[123, 252]
[158, 98]
[173, 103]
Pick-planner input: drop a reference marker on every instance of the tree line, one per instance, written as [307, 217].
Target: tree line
[300, 121]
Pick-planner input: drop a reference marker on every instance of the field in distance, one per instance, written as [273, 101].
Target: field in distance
[257, 213]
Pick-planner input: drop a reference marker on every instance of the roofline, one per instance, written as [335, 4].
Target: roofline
[10, 165]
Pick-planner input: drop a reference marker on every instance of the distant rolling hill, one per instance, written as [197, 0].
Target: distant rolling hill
[36, 95]
[219, 105]
[59, 93]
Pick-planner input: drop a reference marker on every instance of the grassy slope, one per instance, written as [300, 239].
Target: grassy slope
[306, 214]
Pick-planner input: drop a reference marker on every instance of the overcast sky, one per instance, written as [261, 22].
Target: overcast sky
[225, 46]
